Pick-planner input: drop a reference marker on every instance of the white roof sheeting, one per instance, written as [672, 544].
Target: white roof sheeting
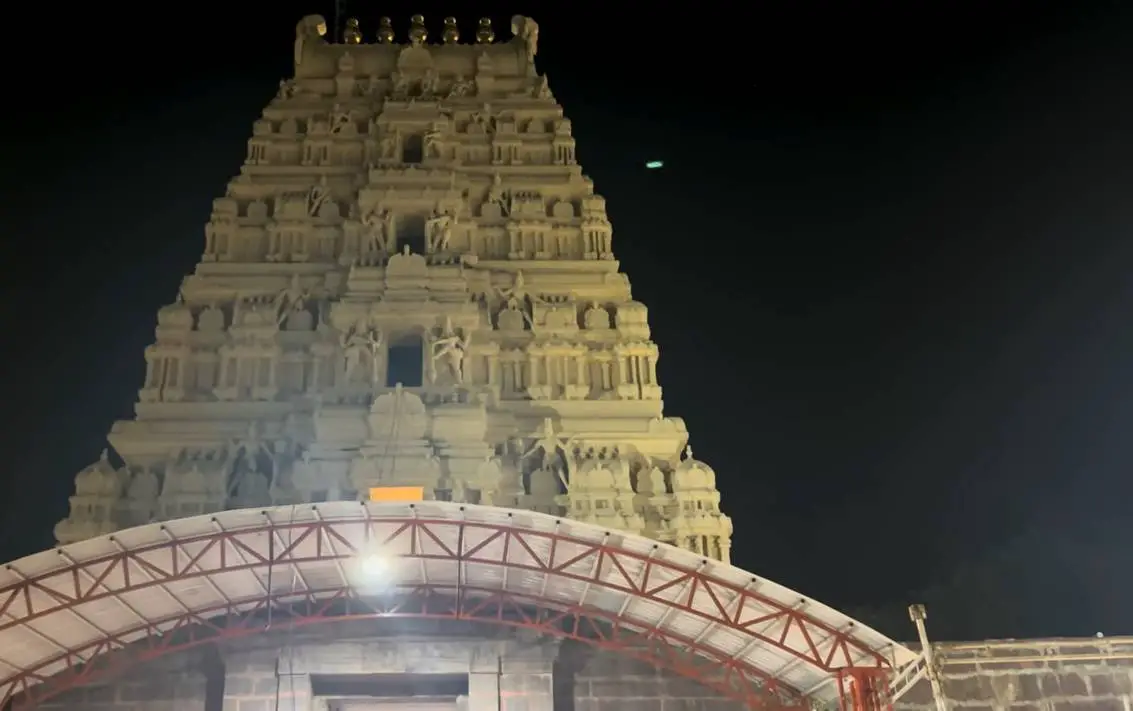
[65, 607]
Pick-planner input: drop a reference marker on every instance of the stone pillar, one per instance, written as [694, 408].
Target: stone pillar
[484, 691]
[525, 680]
[260, 680]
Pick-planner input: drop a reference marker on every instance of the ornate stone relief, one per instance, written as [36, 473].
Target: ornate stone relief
[410, 283]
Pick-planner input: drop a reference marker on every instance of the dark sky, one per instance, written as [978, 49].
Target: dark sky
[888, 262]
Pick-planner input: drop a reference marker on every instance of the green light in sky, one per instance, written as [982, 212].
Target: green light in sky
[653, 164]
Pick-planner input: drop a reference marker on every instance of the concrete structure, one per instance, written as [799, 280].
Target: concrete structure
[411, 284]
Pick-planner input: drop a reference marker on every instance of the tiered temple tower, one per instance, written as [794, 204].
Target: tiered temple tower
[410, 283]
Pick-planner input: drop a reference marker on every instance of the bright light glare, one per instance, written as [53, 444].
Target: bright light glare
[373, 573]
[374, 568]
[654, 164]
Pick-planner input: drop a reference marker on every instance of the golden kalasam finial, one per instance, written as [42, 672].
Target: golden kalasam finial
[353, 32]
[452, 32]
[418, 33]
[485, 34]
[385, 30]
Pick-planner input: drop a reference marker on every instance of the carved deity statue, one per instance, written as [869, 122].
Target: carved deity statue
[438, 229]
[433, 143]
[450, 348]
[497, 195]
[526, 31]
[518, 290]
[360, 342]
[461, 87]
[246, 481]
[318, 196]
[484, 119]
[339, 119]
[551, 446]
[375, 232]
[309, 31]
[287, 89]
[291, 299]
[387, 146]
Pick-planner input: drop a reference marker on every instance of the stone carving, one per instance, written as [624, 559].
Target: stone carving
[596, 317]
[438, 231]
[555, 450]
[308, 32]
[542, 88]
[339, 119]
[450, 349]
[287, 89]
[526, 31]
[433, 143]
[498, 196]
[483, 120]
[361, 344]
[375, 232]
[291, 299]
[460, 88]
[252, 466]
[318, 196]
[388, 144]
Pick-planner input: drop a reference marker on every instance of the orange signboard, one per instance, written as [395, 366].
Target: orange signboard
[397, 493]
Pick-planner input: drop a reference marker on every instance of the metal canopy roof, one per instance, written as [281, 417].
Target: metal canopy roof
[163, 587]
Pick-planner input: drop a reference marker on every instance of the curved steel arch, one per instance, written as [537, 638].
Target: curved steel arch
[62, 612]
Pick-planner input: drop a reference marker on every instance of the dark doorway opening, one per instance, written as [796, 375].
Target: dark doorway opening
[406, 363]
[391, 686]
[411, 233]
[413, 150]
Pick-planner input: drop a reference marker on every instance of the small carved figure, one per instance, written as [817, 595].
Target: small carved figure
[339, 119]
[551, 446]
[484, 119]
[460, 87]
[451, 348]
[518, 290]
[291, 299]
[499, 196]
[374, 341]
[375, 229]
[399, 91]
[318, 196]
[428, 85]
[526, 31]
[287, 89]
[358, 342]
[438, 229]
[433, 143]
[389, 143]
[542, 88]
[309, 31]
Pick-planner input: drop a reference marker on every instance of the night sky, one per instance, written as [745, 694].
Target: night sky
[888, 263]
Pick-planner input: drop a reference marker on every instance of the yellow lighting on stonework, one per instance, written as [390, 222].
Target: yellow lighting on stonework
[397, 493]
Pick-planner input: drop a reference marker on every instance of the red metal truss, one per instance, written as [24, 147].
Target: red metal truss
[179, 633]
[678, 588]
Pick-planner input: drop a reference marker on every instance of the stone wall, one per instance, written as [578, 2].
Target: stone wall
[603, 681]
[178, 683]
[1032, 675]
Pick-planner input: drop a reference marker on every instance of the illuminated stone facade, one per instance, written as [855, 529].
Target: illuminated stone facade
[410, 283]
